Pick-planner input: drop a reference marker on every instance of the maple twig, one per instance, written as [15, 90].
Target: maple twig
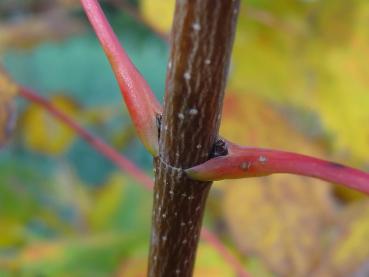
[243, 162]
[140, 100]
[125, 165]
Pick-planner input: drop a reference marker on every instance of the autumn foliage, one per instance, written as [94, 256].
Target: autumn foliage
[297, 83]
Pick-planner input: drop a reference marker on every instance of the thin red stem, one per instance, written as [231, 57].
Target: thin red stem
[98, 144]
[125, 165]
[244, 162]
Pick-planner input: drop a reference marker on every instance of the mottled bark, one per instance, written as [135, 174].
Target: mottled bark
[201, 44]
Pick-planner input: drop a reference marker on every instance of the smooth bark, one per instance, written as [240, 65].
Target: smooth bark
[201, 44]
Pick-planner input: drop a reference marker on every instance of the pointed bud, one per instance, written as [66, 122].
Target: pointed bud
[142, 105]
[243, 162]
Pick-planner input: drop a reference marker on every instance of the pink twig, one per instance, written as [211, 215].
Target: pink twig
[95, 142]
[244, 162]
[140, 100]
[125, 165]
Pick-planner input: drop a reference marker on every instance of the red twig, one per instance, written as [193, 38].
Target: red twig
[125, 165]
[244, 162]
[94, 141]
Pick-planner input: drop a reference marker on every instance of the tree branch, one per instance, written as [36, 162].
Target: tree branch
[125, 165]
[201, 42]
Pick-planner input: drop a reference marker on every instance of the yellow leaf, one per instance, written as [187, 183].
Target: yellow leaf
[45, 134]
[343, 102]
[209, 263]
[280, 219]
[107, 200]
[251, 121]
[8, 91]
[158, 13]
[319, 65]
[11, 232]
[349, 250]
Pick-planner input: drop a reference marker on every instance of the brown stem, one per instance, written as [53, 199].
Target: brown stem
[201, 42]
[125, 165]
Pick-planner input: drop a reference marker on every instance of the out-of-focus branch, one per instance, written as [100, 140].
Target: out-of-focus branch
[97, 143]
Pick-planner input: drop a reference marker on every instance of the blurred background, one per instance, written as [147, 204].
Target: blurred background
[299, 81]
